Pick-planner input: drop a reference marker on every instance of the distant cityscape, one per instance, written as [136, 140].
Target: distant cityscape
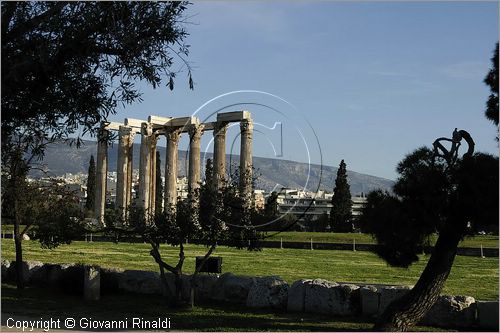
[299, 203]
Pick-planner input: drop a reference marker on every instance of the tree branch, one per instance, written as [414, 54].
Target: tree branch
[205, 258]
[157, 257]
[22, 27]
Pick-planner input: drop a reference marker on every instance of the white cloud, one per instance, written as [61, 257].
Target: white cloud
[466, 70]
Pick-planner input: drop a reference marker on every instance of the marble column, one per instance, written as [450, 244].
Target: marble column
[122, 175]
[101, 175]
[152, 169]
[219, 154]
[170, 194]
[195, 132]
[246, 128]
[145, 168]
[130, 169]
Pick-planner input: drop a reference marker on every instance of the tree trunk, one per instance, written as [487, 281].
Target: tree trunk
[178, 287]
[166, 291]
[19, 250]
[406, 311]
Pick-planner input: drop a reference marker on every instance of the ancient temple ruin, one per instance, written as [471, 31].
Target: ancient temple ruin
[172, 128]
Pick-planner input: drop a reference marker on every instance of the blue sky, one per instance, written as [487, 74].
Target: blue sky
[363, 82]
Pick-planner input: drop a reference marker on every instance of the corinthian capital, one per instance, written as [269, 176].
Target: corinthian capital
[195, 131]
[246, 125]
[173, 134]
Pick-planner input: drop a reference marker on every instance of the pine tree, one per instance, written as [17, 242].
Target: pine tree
[159, 184]
[492, 81]
[209, 172]
[91, 178]
[340, 215]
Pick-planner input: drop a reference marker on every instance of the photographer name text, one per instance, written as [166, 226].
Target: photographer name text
[87, 323]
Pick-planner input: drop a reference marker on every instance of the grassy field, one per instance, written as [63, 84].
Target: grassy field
[35, 303]
[331, 237]
[473, 276]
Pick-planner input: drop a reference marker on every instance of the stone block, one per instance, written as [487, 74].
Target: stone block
[487, 315]
[91, 283]
[39, 278]
[70, 279]
[318, 296]
[29, 268]
[236, 288]
[110, 280]
[204, 286]
[389, 294]
[346, 300]
[5, 269]
[369, 298]
[232, 288]
[233, 116]
[452, 312]
[326, 297]
[53, 273]
[296, 296]
[140, 282]
[268, 292]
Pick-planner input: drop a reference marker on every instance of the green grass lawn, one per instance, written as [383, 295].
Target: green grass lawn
[331, 237]
[34, 303]
[472, 276]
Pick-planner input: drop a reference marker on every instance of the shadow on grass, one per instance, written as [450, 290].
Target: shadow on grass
[39, 303]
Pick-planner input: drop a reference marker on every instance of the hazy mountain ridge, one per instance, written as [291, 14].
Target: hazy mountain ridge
[61, 158]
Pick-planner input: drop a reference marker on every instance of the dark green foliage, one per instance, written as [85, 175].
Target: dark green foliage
[340, 215]
[387, 221]
[159, 184]
[477, 196]
[240, 217]
[271, 206]
[67, 65]
[212, 220]
[492, 81]
[321, 224]
[50, 212]
[429, 197]
[91, 178]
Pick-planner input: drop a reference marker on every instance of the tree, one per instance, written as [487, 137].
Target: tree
[66, 66]
[492, 81]
[159, 184]
[271, 208]
[175, 227]
[91, 178]
[431, 195]
[340, 215]
[49, 212]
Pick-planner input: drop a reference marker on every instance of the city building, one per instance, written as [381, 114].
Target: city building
[311, 205]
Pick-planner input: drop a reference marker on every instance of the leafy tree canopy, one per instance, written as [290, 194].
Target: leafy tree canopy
[67, 65]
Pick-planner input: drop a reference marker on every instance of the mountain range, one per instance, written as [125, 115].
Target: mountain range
[272, 173]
